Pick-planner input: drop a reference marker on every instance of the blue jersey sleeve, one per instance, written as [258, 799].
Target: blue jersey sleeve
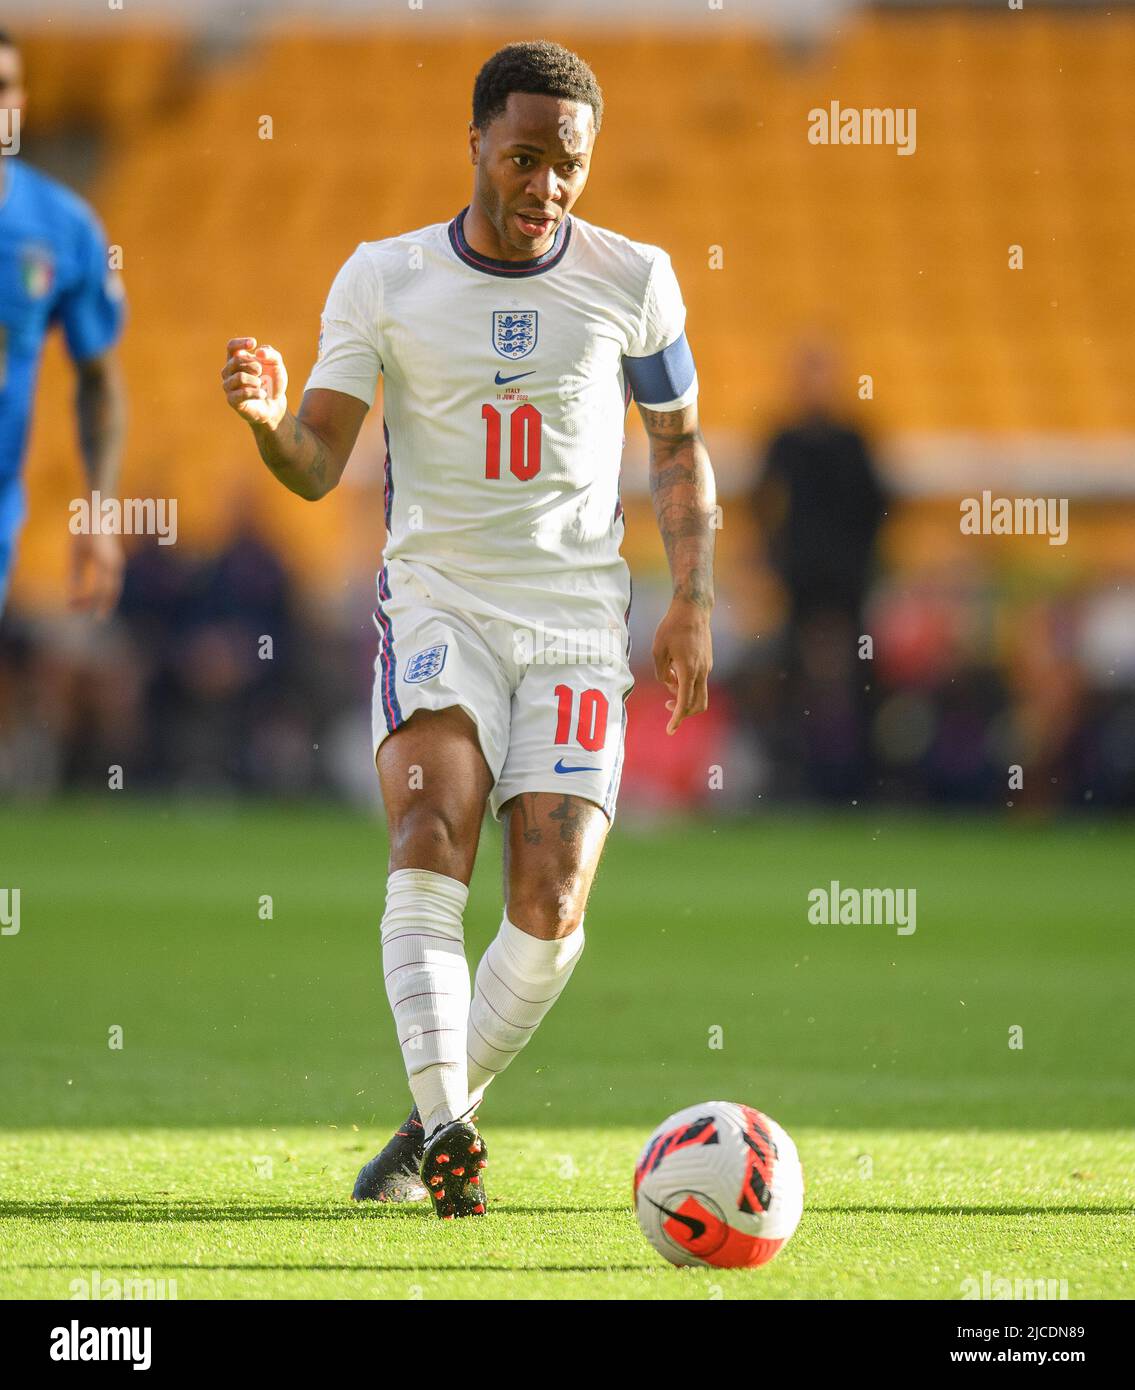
[91, 308]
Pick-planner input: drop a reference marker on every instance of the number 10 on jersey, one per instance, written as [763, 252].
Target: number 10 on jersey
[524, 425]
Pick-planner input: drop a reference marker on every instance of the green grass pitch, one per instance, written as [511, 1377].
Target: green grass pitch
[215, 1149]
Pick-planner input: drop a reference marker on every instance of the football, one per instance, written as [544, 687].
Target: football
[719, 1184]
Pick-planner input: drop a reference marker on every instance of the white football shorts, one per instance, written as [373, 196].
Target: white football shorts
[542, 672]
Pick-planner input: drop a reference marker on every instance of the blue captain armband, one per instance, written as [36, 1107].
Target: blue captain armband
[662, 377]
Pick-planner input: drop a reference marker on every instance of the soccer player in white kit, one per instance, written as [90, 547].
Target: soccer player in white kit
[510, 341]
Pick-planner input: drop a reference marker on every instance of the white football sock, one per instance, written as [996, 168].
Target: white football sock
[427, 983]
[519, 978]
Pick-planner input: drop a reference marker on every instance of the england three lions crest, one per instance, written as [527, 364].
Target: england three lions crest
[514, 332]
[426, 664]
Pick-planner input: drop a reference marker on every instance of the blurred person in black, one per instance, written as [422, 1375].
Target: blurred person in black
[217, 635]
[820, 504]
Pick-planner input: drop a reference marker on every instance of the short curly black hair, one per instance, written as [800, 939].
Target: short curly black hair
[539, 66]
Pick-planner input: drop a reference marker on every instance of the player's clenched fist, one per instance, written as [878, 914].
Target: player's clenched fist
[255, 382]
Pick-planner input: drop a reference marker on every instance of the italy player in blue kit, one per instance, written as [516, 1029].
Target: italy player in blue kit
[54, 271]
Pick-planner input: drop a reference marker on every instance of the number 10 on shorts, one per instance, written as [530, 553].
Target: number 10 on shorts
[590, 723]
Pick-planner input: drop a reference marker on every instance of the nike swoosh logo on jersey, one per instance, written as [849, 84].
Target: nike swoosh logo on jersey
[504, 380]
[560, 768]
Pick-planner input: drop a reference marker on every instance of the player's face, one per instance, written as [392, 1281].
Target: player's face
[12, 94]
[532, 164]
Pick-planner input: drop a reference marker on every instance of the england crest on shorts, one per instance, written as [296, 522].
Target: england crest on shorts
[425, 664]
[514, 332]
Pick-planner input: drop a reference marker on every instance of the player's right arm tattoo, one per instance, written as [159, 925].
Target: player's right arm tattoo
[682, 488]
[298, 457]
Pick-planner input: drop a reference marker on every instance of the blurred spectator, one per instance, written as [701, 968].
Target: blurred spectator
[819, 503]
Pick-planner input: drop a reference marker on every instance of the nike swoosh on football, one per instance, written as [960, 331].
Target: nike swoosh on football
[560, 768]
[695, 1227]
[504, 380]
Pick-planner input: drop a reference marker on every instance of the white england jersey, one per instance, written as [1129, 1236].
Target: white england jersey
[505, 391]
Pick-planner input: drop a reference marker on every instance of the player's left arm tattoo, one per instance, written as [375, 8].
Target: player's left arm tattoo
[682, 488]
[101, 407]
